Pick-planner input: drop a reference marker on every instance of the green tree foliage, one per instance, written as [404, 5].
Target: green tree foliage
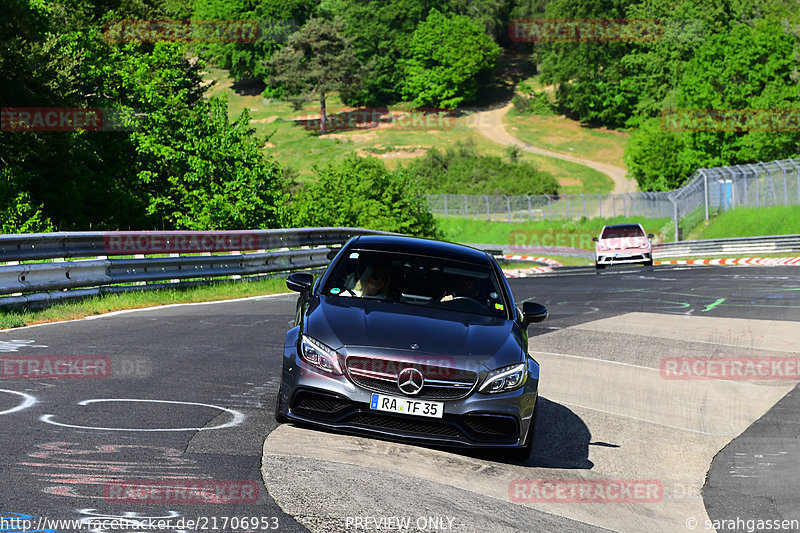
[461, 170]
[446, 55]
[654, 157]
[183, 165]
[317, 60]
[276, 19]
[361, 192]
[749, 67]
[587, 75]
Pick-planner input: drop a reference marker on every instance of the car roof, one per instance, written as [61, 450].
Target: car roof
[417, 246]
[623, 226]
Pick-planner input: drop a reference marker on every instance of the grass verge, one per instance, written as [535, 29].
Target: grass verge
[749, 222]
[97, 305]
[567, 233]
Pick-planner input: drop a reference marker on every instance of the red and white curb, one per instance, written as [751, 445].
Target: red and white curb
[551, 262]
[742, 261]
[525, 272]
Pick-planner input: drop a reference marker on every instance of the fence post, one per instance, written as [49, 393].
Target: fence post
[530, 211]
[444, 197]
[508, 207]
[584, 204]
[466, 206]
[770, 186]
[614, 204]
[675, 217]
[705, 189]
[567, 197]
[600, 205]
[488, 216]
[548, 204]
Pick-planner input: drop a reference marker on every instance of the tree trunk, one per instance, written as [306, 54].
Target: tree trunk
[323, 115]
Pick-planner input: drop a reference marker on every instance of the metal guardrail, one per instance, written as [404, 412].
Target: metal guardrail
[734, 247]
[775, 244]
[248, 254]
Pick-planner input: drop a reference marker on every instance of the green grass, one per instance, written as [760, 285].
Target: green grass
[574, 233]
[301, 147]
[11, 318]
[749, 222]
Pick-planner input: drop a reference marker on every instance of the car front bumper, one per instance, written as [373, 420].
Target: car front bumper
[334, 402]
[614, 257]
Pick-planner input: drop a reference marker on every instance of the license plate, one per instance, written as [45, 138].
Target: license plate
[406, 406]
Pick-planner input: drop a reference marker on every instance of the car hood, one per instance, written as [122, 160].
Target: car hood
[345, 323]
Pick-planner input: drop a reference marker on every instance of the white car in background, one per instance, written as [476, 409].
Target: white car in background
[622, 244]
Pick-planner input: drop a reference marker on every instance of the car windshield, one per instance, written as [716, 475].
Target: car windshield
[620, 232]
[417, 280]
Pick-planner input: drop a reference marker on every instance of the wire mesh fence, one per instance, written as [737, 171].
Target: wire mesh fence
[708, 191]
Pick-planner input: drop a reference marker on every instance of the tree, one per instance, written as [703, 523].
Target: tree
[277, 19]
[446, 54]
[361, 192]
[317, 60]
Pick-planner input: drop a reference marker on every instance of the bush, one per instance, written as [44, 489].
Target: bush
[461, 170]
[361, 192]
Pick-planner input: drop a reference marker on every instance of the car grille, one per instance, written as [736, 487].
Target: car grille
[492, 427]
[318, 404]
[420, 427]
[441, 382]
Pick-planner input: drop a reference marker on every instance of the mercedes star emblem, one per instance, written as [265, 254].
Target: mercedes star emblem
[410, 381]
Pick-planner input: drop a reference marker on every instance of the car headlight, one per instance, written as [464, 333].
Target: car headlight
[319, 355]
[505, 379]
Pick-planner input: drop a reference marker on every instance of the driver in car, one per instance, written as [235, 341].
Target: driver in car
[464, 288]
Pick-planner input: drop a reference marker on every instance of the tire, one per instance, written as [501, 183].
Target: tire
[522, 454]
[648, 263]
[598, 266]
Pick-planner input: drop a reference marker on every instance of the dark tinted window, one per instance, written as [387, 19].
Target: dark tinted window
[417, 280]
[622, 232]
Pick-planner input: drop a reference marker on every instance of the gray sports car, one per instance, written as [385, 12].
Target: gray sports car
[413, 340]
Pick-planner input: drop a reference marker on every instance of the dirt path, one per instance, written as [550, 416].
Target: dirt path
[490, 124]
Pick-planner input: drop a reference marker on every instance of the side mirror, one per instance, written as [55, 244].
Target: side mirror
[300, 282]
[533, 312]
[594, 239]
[650, 235]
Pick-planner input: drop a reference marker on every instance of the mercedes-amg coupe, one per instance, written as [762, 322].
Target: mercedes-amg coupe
[412, 340]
